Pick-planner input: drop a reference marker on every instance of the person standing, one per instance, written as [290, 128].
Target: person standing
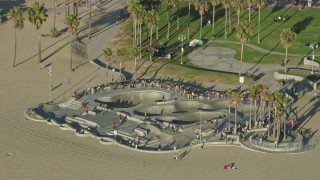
[114, 125]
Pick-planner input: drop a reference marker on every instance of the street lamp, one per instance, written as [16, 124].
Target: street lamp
[181, 38]
[313, 46]
[50, 86]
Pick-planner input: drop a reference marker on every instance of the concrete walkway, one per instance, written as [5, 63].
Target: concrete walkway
[222, 59]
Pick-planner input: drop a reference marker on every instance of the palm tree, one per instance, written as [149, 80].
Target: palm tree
[121, 52]
[140, 20]
[73, 23]
[54, 31]
[226, 5]
[236, 100]
[202, 6]
[229, 95]
[37, 14]
[280, 105]
[259, 4]
[15, 14]
[152, 19]
[238, 5]
[214, 4]
[250, 4]
[133, 9]
[287, 37]
[243, 34]
[108, 54]
[55, 13]
[135, 53]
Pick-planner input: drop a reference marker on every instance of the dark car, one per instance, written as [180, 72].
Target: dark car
[159, 51]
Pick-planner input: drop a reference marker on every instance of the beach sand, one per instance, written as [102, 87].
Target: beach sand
[33, 150]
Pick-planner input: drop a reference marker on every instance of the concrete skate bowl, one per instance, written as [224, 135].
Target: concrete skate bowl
[181, 107]
[192, 117]
[133, 98]
[44, 111]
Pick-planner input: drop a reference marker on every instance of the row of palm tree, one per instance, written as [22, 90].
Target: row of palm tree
[142, 16]
[37, 14]
[276, 102]
[121, 53]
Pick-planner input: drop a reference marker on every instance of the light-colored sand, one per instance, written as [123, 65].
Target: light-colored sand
[32, 150]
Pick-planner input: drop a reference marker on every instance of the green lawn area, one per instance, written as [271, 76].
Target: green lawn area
[304, 22]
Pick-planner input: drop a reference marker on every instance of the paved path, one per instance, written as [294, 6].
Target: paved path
[222, 59]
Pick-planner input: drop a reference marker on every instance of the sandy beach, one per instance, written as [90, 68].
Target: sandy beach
[33, 150]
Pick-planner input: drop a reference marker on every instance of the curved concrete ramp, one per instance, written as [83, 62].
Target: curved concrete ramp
[133, 98]
[181, 106]
[192, 117]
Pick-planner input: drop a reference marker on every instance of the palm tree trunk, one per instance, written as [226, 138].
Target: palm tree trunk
[157, 31]
[68, 12]
[178, 15]
[250, 119]
[15, 47]
[259, 27]
[269, 125]
[238, 22]
[213, 13]
[55, 13]
[235, 120]
[138, 32]
[285, 61]
[189, 7]
[225, 23]
[278, 129]
[120, 69]
[260, 109]
[151, 44]
[107, 70]
[71, 40]
[274, 121]
[241, 59]
[200, 26]
[168, 30]
[140, 40]
[284, 129]
[133, 33]
[135, 68]
[89, 19]
[249, 14]
[229, 116]
[65, 8]
[255, 112]
[39, 46]
[230, 19]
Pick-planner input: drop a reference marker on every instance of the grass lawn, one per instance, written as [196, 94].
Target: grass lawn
[303, 22]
